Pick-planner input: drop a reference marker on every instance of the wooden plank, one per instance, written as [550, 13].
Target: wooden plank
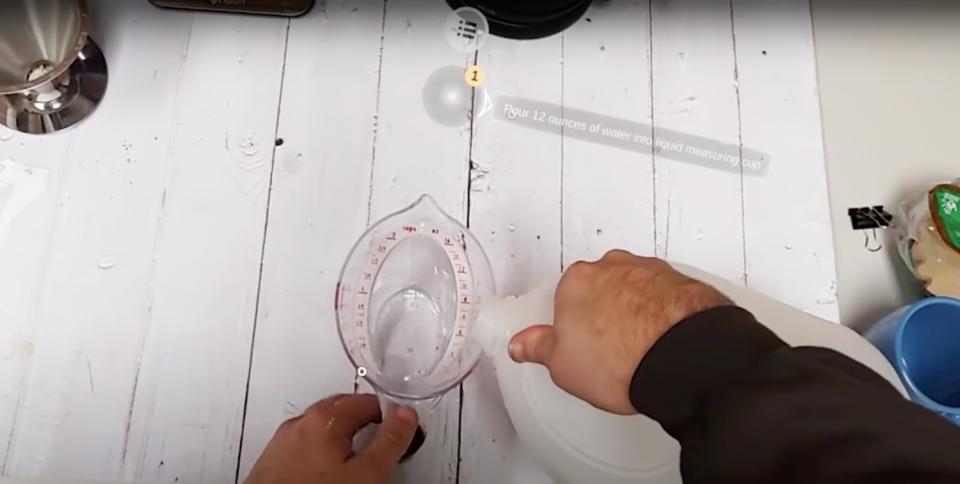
[72, 312]
[789, 241]
[515, 212]
[605, 193]
[188, 409]
[318, 208]
[147, 303]
[381, 116]
[698, 209]
[25, 241]
[608, 193]
[113, 295]
[417, 155]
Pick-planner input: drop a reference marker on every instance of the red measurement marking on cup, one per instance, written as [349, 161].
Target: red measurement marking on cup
[336, 298]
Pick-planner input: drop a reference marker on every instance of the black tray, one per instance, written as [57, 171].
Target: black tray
[287, 8]
[527, 19]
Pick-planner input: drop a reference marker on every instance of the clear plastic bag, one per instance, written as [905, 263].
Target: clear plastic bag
[929, 239]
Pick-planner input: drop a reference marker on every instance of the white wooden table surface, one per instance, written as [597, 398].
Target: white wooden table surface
[166, 297]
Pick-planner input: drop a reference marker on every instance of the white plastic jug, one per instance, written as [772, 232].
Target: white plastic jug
[578, 443]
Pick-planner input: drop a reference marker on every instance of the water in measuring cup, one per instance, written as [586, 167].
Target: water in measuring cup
[409, 293]
[412, 313]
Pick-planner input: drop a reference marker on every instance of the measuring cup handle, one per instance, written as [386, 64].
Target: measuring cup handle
[418, 439]
[424, 409]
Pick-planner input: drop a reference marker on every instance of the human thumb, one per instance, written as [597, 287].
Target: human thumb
[392, 439]
[533, 345]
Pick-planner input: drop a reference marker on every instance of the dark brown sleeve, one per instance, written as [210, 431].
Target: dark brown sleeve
[747, 408]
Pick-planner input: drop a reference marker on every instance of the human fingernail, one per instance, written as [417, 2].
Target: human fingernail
[515, 349]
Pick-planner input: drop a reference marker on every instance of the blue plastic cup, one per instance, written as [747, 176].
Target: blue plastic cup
[922, 341]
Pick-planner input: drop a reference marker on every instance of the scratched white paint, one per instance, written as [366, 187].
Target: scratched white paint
[607, 70]
[139, 371]
[20, 185]
[191, 382]
[698, 211]
[128, 289]
[789, 240]
[515, 213]
[318, 207]
[414, 155]
[65, 423]
[23, 256]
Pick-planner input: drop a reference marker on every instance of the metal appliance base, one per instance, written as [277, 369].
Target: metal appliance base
[81, 88]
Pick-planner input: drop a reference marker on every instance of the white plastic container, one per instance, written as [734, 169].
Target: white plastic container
[577, 443]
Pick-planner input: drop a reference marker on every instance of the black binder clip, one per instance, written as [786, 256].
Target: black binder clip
[873, 218]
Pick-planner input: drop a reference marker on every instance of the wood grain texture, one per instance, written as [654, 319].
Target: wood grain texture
[608, 193]
[147, 297]
[698, 210]
[373, 151]
[515, 212]
[788, 236]
[86, 315]
[191, 381]
[417, 155]
[605, 197]
[24, 253]
[167, 301]
[318, 208]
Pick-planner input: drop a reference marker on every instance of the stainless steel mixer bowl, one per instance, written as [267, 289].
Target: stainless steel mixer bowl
[52, 75]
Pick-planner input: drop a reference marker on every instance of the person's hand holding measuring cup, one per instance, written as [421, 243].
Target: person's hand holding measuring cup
[316, 447]
[607, 316]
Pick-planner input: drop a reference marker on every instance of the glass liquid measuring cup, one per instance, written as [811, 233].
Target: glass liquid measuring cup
[408, 295]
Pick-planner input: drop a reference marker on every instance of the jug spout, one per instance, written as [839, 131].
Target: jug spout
[490, 330]
[502, 317]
